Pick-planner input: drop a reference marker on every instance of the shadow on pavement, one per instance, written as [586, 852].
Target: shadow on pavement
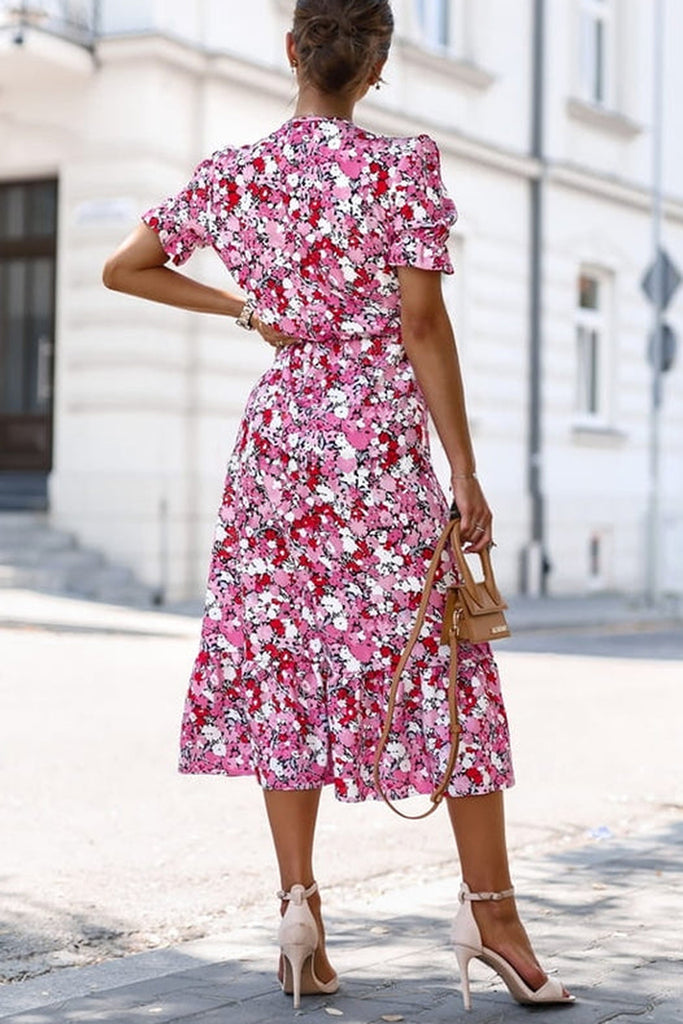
[606, 914]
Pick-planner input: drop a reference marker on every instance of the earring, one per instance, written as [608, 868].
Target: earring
[294, 65]
[378, 85]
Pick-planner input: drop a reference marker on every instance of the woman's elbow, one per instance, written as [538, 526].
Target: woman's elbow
[113, 274]
[423, 326]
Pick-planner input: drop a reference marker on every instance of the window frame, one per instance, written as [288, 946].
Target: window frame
[17, 454]
[425, 31]
[600, 560]
[593, 368]
[596, 67]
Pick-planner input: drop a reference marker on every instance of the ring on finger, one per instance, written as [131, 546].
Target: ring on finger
[480, 529]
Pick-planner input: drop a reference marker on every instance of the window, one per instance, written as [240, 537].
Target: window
[596, 51]
[594, 561]
[28, 236]
[440, 38]
[438, 24]
[591, 347]
[600, 557]
[433, 18]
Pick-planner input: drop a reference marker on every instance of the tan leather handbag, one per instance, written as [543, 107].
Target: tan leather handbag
[475, 612]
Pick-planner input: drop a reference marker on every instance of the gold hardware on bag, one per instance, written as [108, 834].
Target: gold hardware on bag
[475, 612]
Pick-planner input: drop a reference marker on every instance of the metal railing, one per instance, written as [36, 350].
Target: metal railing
[75, 20]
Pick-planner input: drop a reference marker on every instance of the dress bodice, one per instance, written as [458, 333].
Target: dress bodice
[313, 220]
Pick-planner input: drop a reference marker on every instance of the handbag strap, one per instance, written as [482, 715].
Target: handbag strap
[466, 572]
[440, 791]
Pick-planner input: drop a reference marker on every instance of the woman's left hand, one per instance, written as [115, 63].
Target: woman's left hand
[476, 519]
[272, 336]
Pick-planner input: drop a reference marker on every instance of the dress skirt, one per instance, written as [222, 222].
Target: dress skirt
[330, 515]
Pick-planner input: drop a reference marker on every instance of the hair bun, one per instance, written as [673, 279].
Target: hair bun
[323, 30]
[338, 41]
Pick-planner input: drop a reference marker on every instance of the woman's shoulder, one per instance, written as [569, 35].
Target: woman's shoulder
[394, 151]
[404, 149]
[422, 146]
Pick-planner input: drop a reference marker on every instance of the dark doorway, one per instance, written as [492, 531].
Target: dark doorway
[28, 238]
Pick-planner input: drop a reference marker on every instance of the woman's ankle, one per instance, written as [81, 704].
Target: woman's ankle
[500, 911]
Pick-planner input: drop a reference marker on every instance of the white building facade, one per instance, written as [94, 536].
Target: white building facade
[118, 416]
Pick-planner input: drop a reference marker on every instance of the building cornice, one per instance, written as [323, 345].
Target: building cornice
[143, 46]
[272, 82]
[456, 69]
[611, 188]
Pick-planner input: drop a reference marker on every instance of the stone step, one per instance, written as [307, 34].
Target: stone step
[22, 520]
[36, 556]
[21, 491]
[34, 545]
[25, 530]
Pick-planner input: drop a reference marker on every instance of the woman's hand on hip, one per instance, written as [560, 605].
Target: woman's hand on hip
[272, 336]
[476, 518]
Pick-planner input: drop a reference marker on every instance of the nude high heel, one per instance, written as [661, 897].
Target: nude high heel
[468, 945]
[299, 940]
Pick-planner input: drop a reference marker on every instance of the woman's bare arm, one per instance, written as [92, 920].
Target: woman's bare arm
[430, 345]
[137, 268]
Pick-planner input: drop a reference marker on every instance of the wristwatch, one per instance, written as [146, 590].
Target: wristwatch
[244, 319]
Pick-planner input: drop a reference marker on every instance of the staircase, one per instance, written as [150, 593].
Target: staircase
[36, 556]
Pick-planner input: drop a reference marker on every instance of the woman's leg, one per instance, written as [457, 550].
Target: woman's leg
[479, 826]
[292, 816]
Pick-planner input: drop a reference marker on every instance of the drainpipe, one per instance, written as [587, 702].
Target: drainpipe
[535, 563]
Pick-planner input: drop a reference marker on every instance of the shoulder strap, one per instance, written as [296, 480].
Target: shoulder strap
[440, 791]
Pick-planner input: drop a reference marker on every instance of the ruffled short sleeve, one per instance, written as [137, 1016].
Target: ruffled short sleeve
[423, 212]
[184, 222]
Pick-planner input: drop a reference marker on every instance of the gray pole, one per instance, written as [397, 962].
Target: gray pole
[653, 504]
[535, 575]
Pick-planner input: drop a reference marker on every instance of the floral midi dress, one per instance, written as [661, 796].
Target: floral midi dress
[331, 508]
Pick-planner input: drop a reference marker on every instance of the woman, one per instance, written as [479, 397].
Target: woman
[331, 506]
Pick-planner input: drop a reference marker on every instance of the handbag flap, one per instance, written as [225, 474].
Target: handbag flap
[481, 602]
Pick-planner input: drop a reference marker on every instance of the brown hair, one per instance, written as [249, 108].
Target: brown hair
[338, 41]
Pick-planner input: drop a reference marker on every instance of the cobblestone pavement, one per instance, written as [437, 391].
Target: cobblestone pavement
[608, 917]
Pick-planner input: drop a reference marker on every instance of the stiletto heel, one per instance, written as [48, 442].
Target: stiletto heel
[464, 956]
[295, 957]
[468, 945]
[299, 939]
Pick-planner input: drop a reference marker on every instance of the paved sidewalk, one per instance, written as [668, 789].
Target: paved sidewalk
[607, 917]
[589, 611]
[526, 614]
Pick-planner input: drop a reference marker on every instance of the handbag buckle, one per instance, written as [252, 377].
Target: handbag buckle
[455, 622]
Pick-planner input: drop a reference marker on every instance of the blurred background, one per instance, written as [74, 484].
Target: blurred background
[561, 135]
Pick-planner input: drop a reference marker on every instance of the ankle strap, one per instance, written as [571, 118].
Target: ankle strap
[465, 894]
[282, 895]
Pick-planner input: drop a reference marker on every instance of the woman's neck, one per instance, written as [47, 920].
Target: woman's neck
[313, 103]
